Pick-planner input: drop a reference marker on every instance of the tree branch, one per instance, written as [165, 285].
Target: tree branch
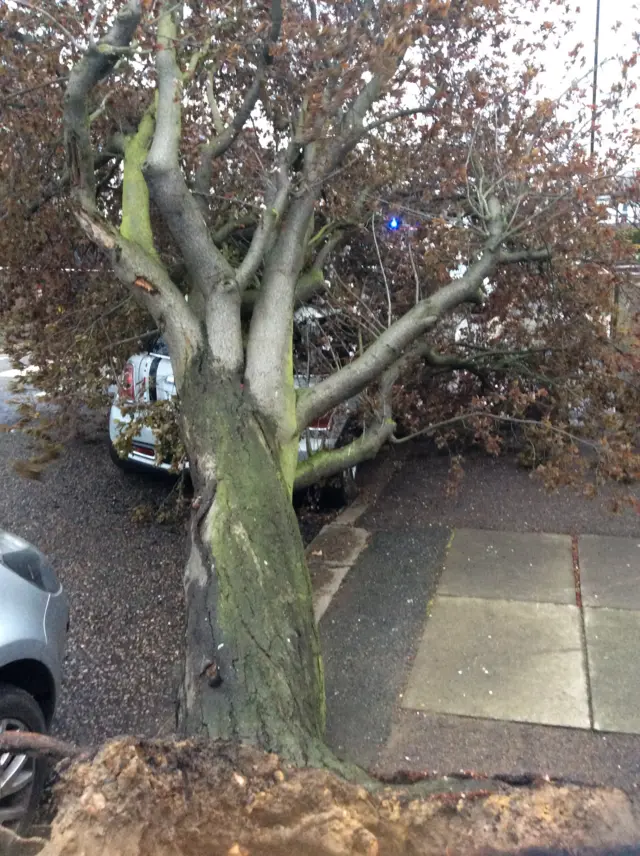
[152, 287]
[221, 235]
[164, 152]
[408, 111]
[209, 271]
[113, 150]
[271, 217]
[382, 269]
[268, 363]
[218, 122]
[136, 214]
[39, 745]
[18, 93]
[310, 283]
[331, 462]
[514, 256]
[94, 21]
[220, 144]
[353, 121]
[149, 334]
[391, 344]
[51, 18]
[94, 66]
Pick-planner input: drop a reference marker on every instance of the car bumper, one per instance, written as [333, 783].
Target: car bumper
[143, 452]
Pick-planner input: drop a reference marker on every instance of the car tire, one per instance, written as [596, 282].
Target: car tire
[342, 489]
[348, 485]
[19, 711]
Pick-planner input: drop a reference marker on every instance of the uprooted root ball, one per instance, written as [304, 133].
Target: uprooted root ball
[149, 798]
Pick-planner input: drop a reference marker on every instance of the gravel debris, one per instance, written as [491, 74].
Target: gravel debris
[124, 581]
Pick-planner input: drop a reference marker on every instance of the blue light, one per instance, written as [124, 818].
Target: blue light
[394, 224]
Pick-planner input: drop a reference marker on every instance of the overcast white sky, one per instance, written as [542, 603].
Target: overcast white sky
[613, 41]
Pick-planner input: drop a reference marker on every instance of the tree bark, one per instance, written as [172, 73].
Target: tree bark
[253, 667]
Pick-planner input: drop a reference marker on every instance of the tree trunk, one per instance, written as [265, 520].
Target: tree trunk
[253, 668]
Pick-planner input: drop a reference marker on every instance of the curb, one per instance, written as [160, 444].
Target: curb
[336, 548]
[330, 556]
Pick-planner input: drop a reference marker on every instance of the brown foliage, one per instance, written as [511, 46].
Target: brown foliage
[480, 125]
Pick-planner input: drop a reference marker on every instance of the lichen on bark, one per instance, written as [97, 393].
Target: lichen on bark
[254, 668]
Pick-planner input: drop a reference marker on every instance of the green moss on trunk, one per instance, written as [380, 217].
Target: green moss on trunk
[254, 670]
[136, 216]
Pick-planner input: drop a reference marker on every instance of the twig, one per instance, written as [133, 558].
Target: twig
[100, 109]
[415, 273]
[20, 92]
[50, 17]
[479, 414]
[401, 114]
[384, 273]
[218, 122]
[147, 335]
[94, 22]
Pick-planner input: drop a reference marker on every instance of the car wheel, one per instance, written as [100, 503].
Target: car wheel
[342, 489]
[348, 485]
[21, 777]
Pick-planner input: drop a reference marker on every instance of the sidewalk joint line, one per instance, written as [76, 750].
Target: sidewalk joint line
[583, 628]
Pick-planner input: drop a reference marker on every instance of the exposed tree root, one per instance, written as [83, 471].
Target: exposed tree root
[33, 743]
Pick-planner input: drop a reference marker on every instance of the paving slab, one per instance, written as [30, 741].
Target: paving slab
[370, 633]
[520, 566]
[610, 571]
[506, 660]
[613, 646]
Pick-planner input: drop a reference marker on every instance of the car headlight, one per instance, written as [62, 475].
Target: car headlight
[27, 562]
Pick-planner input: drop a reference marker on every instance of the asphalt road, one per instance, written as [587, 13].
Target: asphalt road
[123, 580]
[495, 494]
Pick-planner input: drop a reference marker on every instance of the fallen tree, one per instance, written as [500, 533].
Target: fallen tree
[208, 167]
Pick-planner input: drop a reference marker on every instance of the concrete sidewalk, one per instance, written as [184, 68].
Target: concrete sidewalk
[501, 651]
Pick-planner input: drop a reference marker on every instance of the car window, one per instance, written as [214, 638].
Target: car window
[159, 346]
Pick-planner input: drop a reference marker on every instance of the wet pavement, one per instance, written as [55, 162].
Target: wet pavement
[369, 633]
[517, 669]
[494, 494]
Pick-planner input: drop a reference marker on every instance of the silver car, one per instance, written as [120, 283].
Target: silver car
[34, 619]
[148, 377]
